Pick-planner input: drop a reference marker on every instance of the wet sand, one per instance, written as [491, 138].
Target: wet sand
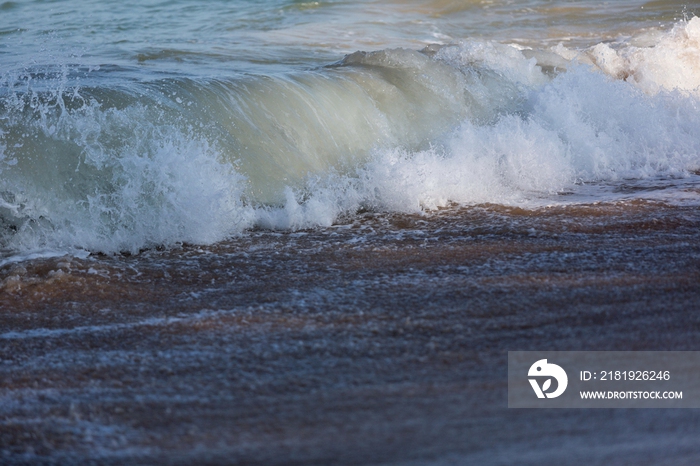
[382, 340]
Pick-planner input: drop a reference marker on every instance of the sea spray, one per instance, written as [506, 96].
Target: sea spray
[115, 165]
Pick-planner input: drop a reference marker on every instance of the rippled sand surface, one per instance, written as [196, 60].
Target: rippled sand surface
[382, 340]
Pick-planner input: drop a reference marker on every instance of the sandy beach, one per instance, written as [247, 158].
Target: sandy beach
[328, 346]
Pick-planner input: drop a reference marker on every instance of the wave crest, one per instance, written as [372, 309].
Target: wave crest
[120, 167]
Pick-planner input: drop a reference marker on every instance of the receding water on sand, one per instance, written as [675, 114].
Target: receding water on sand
[380, 339]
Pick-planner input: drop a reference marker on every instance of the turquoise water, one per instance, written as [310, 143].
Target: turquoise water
[140, 124]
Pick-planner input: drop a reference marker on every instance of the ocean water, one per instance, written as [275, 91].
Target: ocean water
[151, 124]
[247, 232]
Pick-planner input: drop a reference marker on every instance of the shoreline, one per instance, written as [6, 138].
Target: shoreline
[380, 341]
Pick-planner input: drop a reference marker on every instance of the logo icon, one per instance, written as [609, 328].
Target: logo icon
[542, 369]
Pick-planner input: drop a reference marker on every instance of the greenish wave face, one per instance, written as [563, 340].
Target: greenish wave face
[302, 113]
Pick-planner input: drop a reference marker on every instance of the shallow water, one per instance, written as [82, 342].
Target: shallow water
[382, 340]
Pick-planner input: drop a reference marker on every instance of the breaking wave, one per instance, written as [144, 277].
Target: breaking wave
[110, 165]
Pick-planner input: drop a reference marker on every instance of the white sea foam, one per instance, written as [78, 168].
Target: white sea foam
[394, 130]
[672, 62]
[156, 186]
[581, 127]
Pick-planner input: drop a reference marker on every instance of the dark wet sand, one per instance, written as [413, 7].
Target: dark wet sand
[382, 341]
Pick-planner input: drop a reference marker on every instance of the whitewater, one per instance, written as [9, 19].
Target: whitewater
[116, 137]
